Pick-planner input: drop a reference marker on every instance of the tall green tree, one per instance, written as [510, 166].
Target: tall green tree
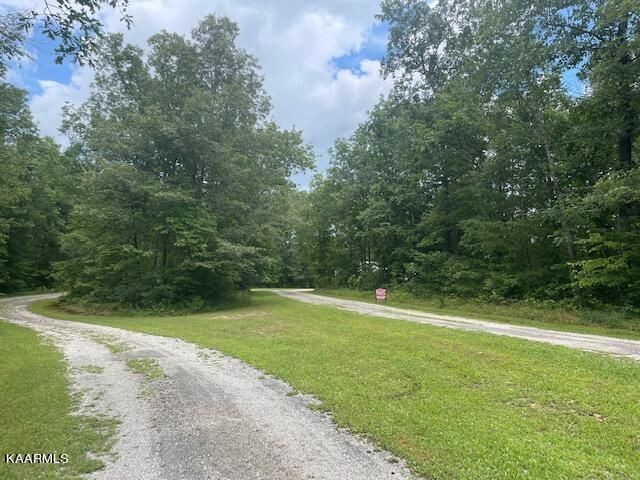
[190, 176]
[36, 195]
[517, 123]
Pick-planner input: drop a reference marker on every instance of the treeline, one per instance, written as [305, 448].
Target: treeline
[504, 165]
[175, 189]
[37, 192]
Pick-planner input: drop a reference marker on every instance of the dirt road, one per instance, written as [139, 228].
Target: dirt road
[595, 343]
[209, 416]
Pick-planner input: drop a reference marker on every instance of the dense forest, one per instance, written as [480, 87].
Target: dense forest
[503, 165]
[175, 189]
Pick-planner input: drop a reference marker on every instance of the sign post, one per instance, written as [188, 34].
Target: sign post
[381, 294]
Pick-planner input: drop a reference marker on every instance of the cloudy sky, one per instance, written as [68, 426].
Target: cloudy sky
[320, 59]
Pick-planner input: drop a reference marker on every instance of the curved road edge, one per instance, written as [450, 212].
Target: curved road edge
[208, 416]
[593, 343]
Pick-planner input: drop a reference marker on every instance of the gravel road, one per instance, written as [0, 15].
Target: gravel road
[594, 343]
[209, 417]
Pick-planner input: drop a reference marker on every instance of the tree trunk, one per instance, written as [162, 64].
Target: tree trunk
[557, 189]
[625, 144]
[449, 234]
[165, 254]
[625, 109]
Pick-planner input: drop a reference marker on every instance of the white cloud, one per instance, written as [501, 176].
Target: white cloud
[295, 43]
[8, 5]
[47, 106]
[339, 105]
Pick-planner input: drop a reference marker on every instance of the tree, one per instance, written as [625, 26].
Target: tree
[36, 194]
[190, 177]
[517, 186]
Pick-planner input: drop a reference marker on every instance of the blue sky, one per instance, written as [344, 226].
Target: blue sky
[320, 60]
[42, 66]
[374, 48]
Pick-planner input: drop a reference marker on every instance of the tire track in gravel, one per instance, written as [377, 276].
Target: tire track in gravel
[210, 417]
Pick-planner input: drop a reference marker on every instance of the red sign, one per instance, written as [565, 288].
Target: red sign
[381, 293]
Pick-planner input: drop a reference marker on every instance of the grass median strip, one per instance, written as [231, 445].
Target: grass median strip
[146, 366]
[95, 369]
[454, 404]
[37, 411]
[112, 343]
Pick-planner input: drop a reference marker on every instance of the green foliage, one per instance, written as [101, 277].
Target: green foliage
[38, 184]
[609, 267]
[488, 172]
[485, 173]
[36, 193]
[192, 202]
[74, 26]
[137, 242]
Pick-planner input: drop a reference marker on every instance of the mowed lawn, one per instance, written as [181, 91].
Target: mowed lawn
[37, 411]
[455, 405]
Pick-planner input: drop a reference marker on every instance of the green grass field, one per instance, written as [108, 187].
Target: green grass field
[37, 411]
[456, 405]
[594, 322]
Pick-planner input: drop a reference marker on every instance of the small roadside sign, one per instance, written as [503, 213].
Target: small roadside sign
[381, 294]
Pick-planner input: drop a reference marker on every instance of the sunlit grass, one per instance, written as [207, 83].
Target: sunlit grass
[455, 404]
[37, 411]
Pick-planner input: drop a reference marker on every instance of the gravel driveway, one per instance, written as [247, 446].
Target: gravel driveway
[594, 343]
[208, 417]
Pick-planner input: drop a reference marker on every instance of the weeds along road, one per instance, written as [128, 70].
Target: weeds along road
[203, 415]
[594, 343]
